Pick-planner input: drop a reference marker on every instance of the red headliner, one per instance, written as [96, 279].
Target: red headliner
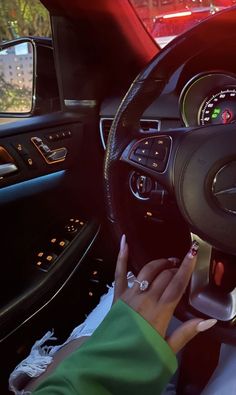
[121, 11]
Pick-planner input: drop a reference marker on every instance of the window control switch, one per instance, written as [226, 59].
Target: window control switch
[73, 226]
[45, 261]
[58, 244]
[62, 244]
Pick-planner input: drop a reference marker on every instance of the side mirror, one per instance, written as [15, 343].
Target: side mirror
[17, 82]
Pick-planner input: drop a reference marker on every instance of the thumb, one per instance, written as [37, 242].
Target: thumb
[187, 331]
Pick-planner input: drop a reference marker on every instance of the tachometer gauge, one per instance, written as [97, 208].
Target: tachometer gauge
[219, 108]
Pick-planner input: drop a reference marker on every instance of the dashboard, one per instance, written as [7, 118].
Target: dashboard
[200, 92]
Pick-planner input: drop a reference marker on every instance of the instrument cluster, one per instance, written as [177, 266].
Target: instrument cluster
[209, 99]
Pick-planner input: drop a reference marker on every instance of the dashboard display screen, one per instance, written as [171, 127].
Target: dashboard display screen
[209, 99]
[219, 108]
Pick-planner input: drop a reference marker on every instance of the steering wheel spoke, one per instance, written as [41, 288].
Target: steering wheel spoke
[209, 292]
[150, 155]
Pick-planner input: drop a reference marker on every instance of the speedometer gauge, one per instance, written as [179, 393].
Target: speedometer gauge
[219, 108]
[209, 98]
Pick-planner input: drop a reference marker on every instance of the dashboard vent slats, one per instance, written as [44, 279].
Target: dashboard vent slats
[146, 125]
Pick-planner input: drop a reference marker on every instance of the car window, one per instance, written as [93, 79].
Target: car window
[19, 18]
[166, 19]
[23, 18]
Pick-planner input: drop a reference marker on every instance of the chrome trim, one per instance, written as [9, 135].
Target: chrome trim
[51, 154]
[57, 292]
[101, 130]
[151, 120]
[136, 194]
[203, 297]
[7, 168]
[111, 119]
[80, 103]
[228, 190]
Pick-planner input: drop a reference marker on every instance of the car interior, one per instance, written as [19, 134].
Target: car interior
[122, 137]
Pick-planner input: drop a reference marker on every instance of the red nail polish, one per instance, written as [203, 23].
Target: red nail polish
[194, 249]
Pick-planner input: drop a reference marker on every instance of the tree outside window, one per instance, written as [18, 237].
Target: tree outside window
[23, 18]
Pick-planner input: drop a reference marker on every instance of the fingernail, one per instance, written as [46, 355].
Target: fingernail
[122, 243]
[174, 260]
[206, 324]
[193, 250]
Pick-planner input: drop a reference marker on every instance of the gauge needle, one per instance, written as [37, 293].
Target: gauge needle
[226, 116]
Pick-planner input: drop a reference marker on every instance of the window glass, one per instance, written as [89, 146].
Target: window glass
[16, 84]
[23, 18]
[166, 19]
[19, 18]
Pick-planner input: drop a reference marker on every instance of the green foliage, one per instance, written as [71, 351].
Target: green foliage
[23, 18]
[14, 98]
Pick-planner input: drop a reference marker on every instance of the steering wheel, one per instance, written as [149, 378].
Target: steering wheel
[197, 167]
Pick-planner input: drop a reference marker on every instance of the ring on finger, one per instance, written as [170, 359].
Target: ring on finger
[143, 285]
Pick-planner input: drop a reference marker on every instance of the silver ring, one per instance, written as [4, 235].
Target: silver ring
[143, 285]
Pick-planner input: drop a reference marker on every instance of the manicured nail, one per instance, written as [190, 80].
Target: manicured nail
[122, 243]
[206, 324]
[174, 260]
[193, 250]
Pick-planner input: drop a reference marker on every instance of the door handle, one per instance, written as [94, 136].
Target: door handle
[7, 168]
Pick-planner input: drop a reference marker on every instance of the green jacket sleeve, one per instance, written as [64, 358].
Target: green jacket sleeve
[125, 355]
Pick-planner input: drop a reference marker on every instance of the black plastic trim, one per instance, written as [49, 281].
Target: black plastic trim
[38, 122]
[45, 286]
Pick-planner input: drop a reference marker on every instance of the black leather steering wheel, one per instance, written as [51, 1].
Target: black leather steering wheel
[196, 165]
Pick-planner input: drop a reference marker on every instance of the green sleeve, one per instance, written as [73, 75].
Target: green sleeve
[125, 355]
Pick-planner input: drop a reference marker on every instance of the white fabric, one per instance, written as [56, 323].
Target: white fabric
[42, 355]
[223, 380]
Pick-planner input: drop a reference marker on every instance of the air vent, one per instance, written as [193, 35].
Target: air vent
[146, 125]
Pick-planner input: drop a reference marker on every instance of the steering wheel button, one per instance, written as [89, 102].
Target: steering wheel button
[146, 143]
[142, 160]
[155, 165]
[158, 153]
[142, 151]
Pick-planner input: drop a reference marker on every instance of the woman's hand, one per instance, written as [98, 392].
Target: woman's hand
[157, 303]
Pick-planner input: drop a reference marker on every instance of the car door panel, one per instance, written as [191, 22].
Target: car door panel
[46, 230]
